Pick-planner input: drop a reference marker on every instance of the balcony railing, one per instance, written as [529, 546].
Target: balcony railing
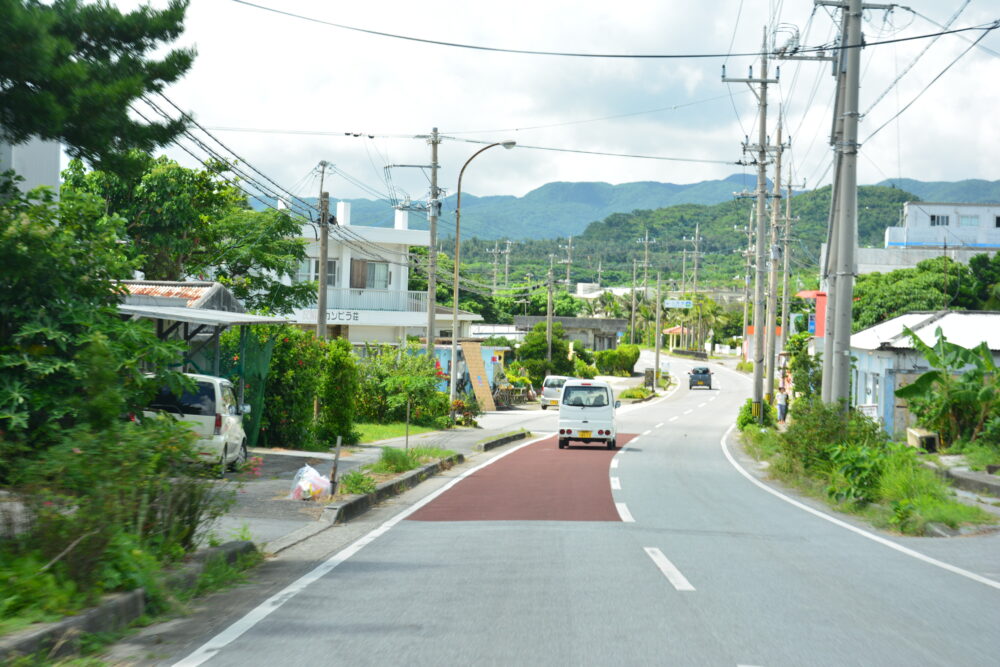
[375, 299]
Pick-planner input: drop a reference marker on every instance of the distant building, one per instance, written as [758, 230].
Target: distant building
[930, 230]
[368, 297]
[593, 332]
[35, 160]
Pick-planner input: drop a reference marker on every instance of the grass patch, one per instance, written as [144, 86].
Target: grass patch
[373, 432]
[397, 461]
[636, 392]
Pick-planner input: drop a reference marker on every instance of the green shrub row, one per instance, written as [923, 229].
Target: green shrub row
[619, 360]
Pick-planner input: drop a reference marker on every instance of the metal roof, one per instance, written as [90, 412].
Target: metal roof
[965, 328]
[199, 315]
[192, 291]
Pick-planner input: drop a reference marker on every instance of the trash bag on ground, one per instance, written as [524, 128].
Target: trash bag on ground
[308, 484]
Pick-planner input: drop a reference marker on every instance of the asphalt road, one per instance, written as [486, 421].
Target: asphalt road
[665, 552]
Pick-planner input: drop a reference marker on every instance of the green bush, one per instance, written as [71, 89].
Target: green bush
[744, 366]
[357, 482]
[338, 390]
[857, 472]
[292, 384]
[389, 375]
[746, 418]
[395, 460]
[635, 392]
[817, 428]
[582, 370]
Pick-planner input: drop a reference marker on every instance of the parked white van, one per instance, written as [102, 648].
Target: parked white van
[213, 414]
[551, 388]
[587, 413]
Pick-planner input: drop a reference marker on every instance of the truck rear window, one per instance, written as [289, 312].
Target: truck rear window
[585, 396]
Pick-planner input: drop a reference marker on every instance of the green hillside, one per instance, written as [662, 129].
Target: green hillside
[969, 191]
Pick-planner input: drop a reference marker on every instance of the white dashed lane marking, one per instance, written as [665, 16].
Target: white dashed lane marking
[623, 512]
[647, 432]
[616, 484]
[614, 462]
[687, 412]
[658, 425]
[669, 570]
[673, 419]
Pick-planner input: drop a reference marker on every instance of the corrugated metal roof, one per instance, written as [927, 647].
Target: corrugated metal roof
[965, 328]
[199, 315]
[191, 291]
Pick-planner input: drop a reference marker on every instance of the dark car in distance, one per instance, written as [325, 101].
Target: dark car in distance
[700, 376]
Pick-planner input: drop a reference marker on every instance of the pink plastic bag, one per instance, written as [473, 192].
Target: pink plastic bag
[308, 484]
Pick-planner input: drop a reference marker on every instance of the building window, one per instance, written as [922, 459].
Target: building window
[369, 275]
[309, 270]
[997, 222]
[968, 221]
[939, 221]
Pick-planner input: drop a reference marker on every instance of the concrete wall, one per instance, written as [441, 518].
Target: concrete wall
[35, 160]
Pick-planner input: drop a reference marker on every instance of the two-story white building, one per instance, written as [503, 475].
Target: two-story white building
[932, 229]
[367, 299]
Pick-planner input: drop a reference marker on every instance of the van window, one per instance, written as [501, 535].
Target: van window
[585, 396]
[200, 402]
[554, 382]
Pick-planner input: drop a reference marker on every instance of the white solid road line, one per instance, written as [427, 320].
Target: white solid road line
[669, 570]
[208, 650]
[854, 529]
[658, 425]
[623, 512]
[616, 484]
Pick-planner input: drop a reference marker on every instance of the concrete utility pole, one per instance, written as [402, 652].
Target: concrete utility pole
[659, 334]
[786, 253]
[696, 241]
[496, 257]
[645, 241]
[433, 211]
[747, 254]
[848, 195]
[324, 252]
[631, 328]
[569, 259]
[761, 149]
[506, 264]
[772, 278]
[548, 313]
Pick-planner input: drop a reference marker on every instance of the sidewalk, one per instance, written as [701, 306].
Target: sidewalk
[264, 512]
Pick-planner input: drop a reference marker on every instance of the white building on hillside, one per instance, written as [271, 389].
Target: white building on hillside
[929, 230]
[367, 298]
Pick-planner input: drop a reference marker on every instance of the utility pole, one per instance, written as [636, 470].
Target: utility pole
[548, 315]
[645, 241]
[697, 253]
[761, 149]
[496, 256]
[506, 264]
[747, 254]
[631, 328]
[659, 335]
[569, 259]
[433, 211]
[786, 257]
[685, 329]
[599, 271]
[324, 251]
[772, 278]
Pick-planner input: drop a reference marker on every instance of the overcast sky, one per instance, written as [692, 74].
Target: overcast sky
[260, 70]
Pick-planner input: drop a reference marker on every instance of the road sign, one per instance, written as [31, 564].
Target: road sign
[677, 303]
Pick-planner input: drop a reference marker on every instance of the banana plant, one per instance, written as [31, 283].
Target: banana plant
[961, 392]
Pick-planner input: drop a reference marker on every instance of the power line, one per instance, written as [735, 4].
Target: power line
[583, 152]
[653, 56]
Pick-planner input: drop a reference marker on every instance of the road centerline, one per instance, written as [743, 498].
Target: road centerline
[616, 484]
[669, 570]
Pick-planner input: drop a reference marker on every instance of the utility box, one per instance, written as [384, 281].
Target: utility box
[922, 439]
[649, 379]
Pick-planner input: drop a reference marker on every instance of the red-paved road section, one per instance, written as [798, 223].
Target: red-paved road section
[539, 482]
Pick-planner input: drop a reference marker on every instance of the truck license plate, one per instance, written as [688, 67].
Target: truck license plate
[585, 434]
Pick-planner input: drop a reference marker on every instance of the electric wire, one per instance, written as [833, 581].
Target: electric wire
[651, 56]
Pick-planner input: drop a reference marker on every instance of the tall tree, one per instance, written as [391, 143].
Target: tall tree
[70, 70]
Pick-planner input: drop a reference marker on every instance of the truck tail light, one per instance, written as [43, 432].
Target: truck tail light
[218, 423]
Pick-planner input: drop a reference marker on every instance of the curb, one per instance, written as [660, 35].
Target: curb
[359, 504]
[116, 611]
[499, 442]
[968, 480]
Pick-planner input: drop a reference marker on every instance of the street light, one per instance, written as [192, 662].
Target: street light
[454, 296]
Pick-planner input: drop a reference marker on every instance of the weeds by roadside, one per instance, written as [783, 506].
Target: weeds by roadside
[848, 461]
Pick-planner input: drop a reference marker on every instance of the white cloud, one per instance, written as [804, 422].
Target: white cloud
[261, 70]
